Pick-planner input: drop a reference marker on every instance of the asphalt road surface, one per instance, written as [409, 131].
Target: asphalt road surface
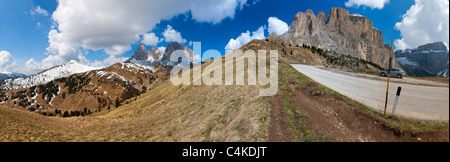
[416, 101]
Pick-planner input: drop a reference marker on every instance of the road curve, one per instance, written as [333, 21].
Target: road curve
[416, 101]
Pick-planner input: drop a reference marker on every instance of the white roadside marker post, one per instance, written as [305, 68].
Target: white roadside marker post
[399, 90]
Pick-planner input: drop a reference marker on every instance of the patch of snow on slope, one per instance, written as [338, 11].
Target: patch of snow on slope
[406, 61]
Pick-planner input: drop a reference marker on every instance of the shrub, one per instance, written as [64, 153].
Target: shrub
[65, 114]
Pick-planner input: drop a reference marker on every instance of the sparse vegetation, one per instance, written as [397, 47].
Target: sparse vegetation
[49, 91]
[76, 83]
[339, 59]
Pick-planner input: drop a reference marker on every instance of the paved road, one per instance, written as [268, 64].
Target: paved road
[416, 101]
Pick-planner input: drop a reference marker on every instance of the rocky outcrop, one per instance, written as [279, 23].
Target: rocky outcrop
[140, 54]
[427, 60]
[176, 46]
[154, 56]
[340, 32]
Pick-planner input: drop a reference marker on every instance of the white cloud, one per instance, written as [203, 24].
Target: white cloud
[171, 35]
[108, 61]
[277, 26]
[215, 11]
[378, 4]
[162, 49]
[244, 38]
[197, 58]
[32, 64]
[114, 25]
[38, 10]
[425, 22]
[6, 61]
[150, 39]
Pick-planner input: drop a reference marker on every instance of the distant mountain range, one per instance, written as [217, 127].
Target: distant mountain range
[4, 75]
[427, 60]
[45, 76]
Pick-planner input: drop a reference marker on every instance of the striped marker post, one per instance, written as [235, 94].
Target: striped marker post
[399, 90]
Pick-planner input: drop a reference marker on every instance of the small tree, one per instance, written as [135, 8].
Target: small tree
[117, 102]
[66, 114]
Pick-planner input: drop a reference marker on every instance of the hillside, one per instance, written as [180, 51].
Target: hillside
[88, 92]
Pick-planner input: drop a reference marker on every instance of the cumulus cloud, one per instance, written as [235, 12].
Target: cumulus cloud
[215, 11]
[150, 39]
[277, 26]
[374, 4]
[197, 58]
[171, 35]
[38, 10]
[162, 49]
[244, 38]
[113, 26]
[32, 64]
[425, 22]
[108, 61]
[6, 61]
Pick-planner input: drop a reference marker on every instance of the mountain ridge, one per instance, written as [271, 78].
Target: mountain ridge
[45, 76]
[8, 75]
[426, 60]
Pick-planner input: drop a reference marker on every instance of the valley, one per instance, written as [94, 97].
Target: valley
[327, 92]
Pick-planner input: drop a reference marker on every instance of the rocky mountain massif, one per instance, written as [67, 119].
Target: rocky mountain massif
[154, 56]
[340, 32]
[427, 60]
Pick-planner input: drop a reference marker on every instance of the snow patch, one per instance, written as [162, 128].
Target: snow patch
[406, 61]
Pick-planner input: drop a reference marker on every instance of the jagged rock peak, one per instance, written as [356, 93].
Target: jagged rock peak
[337, 14]
[177, 46]
[140, 54]
[322, 18]
[155, 54]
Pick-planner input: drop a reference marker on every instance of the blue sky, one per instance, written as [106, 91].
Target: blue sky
[24, 31]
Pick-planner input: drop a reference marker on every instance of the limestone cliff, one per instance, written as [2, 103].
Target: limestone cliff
[340, 32]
